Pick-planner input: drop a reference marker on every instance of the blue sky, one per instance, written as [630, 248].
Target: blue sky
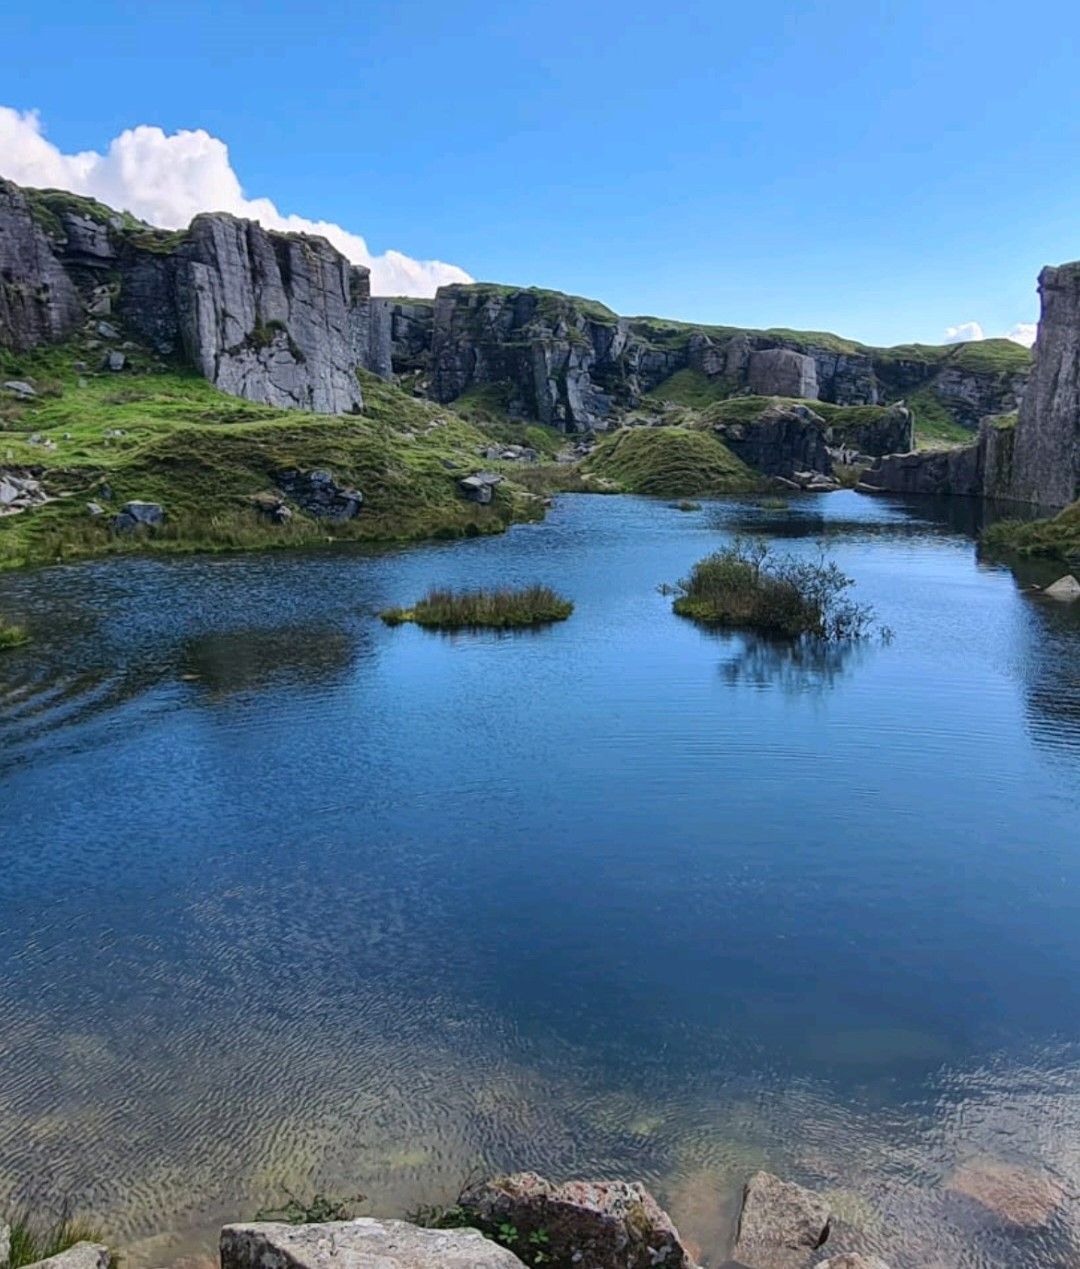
[883, 170]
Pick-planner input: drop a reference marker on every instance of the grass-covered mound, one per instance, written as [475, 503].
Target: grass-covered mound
[502, 609]
[1057, 537]
[669, 462]
[12, 636]
[166, 435]
[744, 587]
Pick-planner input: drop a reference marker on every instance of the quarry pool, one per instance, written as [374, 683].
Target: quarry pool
[291, 901]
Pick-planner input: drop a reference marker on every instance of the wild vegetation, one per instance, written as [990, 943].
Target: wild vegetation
[745, 586]
[32, 1240]
[1057, 536]
[12, 636]
[501, 609]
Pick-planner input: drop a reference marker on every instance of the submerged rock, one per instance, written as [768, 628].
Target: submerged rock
[1018, 1195]
[364, 1243]
[81, 1256]
[1066, 587]
[853, 1260]
[594, 1224]
[781, 1224]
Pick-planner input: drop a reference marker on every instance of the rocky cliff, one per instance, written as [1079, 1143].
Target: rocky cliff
[282, 319]
[1046, 465]
[577, 365]
[38, 301]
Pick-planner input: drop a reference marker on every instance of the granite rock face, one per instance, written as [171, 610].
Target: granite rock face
[598, 1224]
[783, 439]
[982, 469]
[781, 1224]
[780, 372]
[364, 1243]
[39, 303]
[892, 432]
[276, 318]
[1046, 466]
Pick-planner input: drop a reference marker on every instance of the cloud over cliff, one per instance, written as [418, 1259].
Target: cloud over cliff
[167, 179]
[964, 332]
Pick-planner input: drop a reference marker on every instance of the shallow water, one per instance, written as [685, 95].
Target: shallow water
[292, 901]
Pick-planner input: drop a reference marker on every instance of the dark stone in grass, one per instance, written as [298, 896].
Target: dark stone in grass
[138, 515]
[319, 494]
[480, 486]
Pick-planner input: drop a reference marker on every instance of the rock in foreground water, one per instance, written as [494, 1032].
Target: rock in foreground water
[781, 1224]
[594, 1224]
[364, 1243]
[81, 1256]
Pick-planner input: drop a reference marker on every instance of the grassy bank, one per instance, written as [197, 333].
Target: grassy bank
[163, 434]
[31, 1242]
[498, 609]
[1057, 537]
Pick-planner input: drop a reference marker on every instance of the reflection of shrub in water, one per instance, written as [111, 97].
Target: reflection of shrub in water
[743, 586]
[799, 667]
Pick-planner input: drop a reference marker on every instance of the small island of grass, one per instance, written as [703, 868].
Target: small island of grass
[502, 609]
[743, 587]
[12, 636]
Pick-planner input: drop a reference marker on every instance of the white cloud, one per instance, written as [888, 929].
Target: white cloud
[963, 333]
[168, 179]
[1022, 333]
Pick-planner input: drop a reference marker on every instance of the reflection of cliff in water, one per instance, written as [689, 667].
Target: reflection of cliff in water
[1050, 668]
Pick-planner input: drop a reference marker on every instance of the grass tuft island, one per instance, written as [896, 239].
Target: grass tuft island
[502, 609]
[12, 636]
[744, 587]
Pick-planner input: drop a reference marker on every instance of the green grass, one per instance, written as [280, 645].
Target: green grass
[501, 609]
[990, 357]
[203, 454]
[743, 587]
[31, 1242]
[935, 427]
[1057, 537]
[669, 462]
[550, 304]
[12, 636]
[690, 388]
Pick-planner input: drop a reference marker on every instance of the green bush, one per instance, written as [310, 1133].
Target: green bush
[32, 1241]
[12, 636]
[743, 586]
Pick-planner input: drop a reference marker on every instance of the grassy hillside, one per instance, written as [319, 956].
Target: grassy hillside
[670, 462]
[166, 435]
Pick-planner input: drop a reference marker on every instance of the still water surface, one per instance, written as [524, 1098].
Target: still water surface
[291, 901]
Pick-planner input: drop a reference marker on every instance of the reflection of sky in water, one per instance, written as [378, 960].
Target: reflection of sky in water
[294, 900]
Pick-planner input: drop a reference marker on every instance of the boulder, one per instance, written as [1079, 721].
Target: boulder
[5, 1244]
[94, 509]
[781, 372]
[364, 1243]
[781, 1224]
[81, 1256]
[480, 487]
[594, 1224]
[320, 495]
[114, 361]
[20, 388]
[137, 514]
[1067, 588]
[783, 439]
[273, 506]
[107, 330]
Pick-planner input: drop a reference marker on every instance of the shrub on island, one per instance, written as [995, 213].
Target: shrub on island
[501, 609]
[12, 636]
[744, 586]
